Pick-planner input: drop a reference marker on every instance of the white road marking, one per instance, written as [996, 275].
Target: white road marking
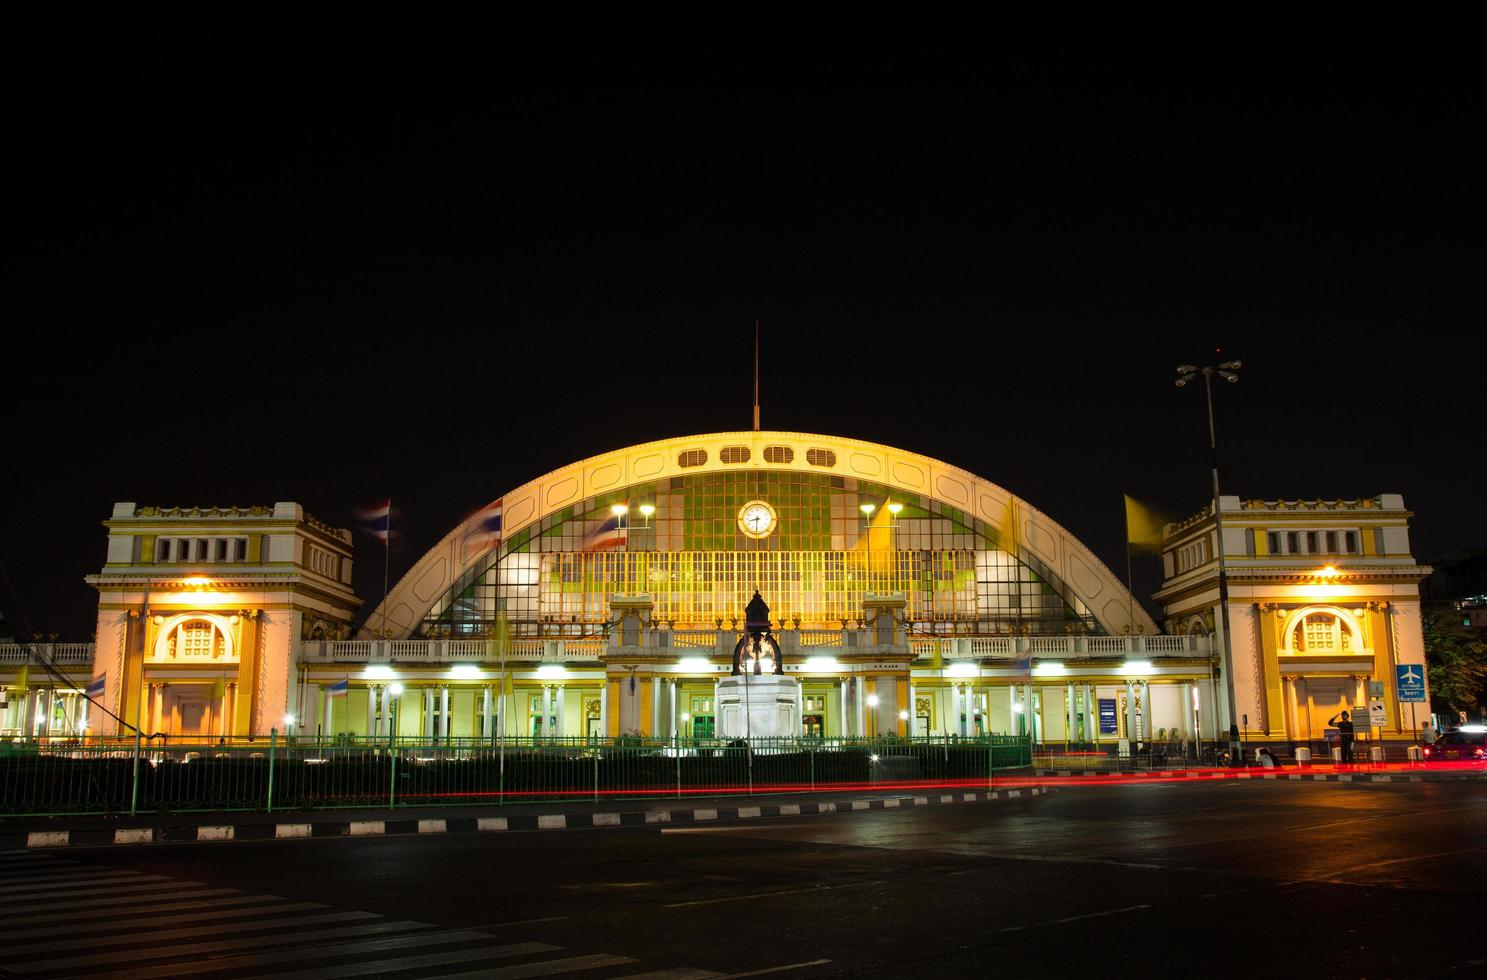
[311, 938]
[789, 891]
[781, 969]
[144, 929]
[1076, 918]
[193, 932]
[546, 968]
[521, 922]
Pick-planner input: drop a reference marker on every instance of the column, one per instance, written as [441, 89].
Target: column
[675, 731]
[485, 711]
[913, 711]
[1013, 721]
[546, 710]
[842, 713]
[384, 705]
[28, 713]
[799, 707]
[859, 706]
[444, 712]
[558, 727]
[371, 728]
[656, 707]
[604, 709]
[1071, 715]
[159, 708]
[327, 709]
[1131, 712]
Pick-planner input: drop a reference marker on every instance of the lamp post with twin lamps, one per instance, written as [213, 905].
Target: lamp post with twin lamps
[1227, 371]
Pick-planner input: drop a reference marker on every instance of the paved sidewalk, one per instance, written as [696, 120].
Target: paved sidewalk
[64, 831]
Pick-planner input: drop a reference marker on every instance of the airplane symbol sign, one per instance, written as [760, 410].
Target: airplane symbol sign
[1411, 682]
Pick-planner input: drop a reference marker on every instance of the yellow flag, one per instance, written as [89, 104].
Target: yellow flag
[219, 688]
[936, 660]
[23, 678]
[1143, 526]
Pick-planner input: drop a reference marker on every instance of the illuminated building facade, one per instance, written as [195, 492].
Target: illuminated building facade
[201, 613]
[908, 596]
[606, 598]
[1324, 601]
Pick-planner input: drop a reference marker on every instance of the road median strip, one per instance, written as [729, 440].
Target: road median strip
[299, 830]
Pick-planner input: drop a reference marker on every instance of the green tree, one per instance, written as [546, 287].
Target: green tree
[1456, 657]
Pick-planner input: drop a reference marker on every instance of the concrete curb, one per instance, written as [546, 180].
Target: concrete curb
[1283, 774]
[265, 830]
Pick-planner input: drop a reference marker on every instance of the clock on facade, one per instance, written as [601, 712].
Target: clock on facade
[756, 519]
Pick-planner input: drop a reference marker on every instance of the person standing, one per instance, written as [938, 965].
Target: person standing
[1344, 727]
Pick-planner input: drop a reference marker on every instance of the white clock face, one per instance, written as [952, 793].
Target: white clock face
[756, 519]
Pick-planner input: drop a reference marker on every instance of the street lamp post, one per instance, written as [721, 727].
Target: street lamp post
[1227, 370]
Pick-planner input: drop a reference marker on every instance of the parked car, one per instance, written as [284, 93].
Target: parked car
[1466, 744]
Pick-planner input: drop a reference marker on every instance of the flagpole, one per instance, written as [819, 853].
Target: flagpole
[756, 375]
[386, 564]
[144, 618]
[1130, 592]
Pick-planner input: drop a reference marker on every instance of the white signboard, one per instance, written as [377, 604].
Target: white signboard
[1376, 716]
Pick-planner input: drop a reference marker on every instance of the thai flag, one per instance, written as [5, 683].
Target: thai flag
[611, 534]
[375, 519]
[339, 687]
[95, 689]
[485, 529]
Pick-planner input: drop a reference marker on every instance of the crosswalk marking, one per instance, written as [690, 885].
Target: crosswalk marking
[215, 946]
[126, 900]
[258, 960]
[544, 968]
[30, 883]
[148, 883]
[124, 915]
[144, 929]
[77, 919]
[248, 925]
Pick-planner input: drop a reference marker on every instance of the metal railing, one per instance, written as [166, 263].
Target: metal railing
[94, 775]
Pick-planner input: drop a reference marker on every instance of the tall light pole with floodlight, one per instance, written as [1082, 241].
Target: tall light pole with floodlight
[1227, 371]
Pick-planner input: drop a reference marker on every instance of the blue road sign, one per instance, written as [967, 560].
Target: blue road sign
[1411, 684]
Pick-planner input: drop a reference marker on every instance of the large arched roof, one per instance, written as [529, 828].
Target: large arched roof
[1084, 574]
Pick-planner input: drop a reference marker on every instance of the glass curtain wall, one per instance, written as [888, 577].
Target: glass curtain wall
[821, 558]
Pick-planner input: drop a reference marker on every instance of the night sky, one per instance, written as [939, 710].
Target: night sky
[260, 264]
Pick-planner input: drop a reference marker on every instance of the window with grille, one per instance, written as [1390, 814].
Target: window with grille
[1322, 633]
[692, 457]
[196, 638]
[735, 454]
[779, 454]
[820, 457]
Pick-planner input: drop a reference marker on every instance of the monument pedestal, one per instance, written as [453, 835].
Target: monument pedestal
[758, 706]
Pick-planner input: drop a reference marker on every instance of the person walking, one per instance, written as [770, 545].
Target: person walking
[1344, 727]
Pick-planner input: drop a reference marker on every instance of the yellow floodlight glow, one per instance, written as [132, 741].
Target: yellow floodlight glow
[619, 510]
[868, 508]
[1328, 572]
[378, 672]
[1050, 670]
[895, 507]
[647, 510]
[1136, 667]
[821, 664]
[465, 672]
[695, 665]
[395, 689]
[552, 670]
[196, 581]
[961, 669]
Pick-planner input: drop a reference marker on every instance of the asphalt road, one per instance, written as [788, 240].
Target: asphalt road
[1229, 878]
